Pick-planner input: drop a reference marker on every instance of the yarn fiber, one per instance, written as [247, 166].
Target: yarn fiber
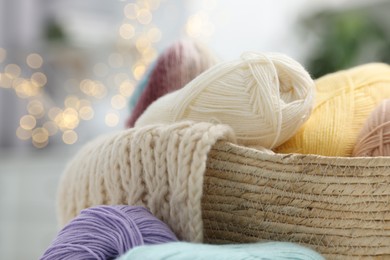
[106, 232]
[344, 100]
[374, 138]
[140, 87]
[176, 66]
[265, 98]
[160, 167]
[260, 251]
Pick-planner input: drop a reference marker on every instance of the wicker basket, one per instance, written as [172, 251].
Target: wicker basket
[218, 192]
[337, 206]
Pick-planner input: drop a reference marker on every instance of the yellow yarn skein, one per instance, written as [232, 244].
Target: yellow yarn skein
[344, 100]
[265, 98]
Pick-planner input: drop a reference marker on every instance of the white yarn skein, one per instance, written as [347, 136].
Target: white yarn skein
[264, 97]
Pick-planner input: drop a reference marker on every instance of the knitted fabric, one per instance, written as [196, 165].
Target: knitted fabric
[160, 167]
[178, 65]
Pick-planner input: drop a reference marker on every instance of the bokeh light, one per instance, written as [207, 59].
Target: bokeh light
[5, 80]
[12, 70]
[34, 61]
[40, 137]
[126, 88]
[69, 137]
[131, 11]
[23, 134]
[86, 113]
[154, 34]
[144, 16]
[72, 101]
[39, 79]
[28, 122]
[36, 108]
[118, 102]
[127, 31]
[112, 119]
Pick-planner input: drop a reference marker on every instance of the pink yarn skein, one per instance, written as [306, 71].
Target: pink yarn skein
[176, 66]
[374, 138]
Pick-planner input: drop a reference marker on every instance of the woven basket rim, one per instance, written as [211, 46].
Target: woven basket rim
[252, 153]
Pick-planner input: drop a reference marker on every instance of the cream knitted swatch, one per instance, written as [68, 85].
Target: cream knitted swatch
[160, 167]
[264, 97]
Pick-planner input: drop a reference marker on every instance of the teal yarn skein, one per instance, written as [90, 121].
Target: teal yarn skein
[255, 251]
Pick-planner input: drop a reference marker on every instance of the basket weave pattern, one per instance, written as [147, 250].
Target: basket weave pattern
[337, 206]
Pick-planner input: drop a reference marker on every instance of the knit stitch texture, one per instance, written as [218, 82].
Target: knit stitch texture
[160, 167]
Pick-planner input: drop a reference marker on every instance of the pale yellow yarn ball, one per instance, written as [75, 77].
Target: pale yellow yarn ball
[264, 97]
[344, 100]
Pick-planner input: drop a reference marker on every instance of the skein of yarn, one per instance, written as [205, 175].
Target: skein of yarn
[175, 67]
[106, 232]
[344, 101]
[265, 98]
[182, 250]
[374, 138]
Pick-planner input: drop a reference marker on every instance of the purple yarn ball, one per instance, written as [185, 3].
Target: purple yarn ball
[106, 232]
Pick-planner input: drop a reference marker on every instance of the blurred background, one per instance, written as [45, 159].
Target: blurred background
[68, 69]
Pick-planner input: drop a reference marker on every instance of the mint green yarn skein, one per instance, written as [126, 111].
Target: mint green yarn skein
[255, 251]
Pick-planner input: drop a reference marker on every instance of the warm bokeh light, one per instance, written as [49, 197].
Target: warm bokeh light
[154, 34]
[127, 31]
[34, 61]
[142, 43]
[144, 16]
[112, 119]
[39, 78]
[139, 71]
[12, 70]
[85, 103]
[23, 134]
[40, 137]
[148, 55]
[40, 145]
[118, 102]
[131, 11]
[5, 80]
[46, 117]
[54, 112]
[28, 122]
[72, 101]
[36, 108]
[69, 137]
[86, 113]
[126, 88]
[25, 88]
[93, 88]
[70, 118]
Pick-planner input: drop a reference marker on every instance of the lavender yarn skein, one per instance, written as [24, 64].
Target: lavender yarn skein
[106, 232]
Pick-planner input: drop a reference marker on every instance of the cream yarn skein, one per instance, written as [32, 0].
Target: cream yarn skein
[264, 97]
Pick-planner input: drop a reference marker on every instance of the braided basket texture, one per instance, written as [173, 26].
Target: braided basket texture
[337, 206]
